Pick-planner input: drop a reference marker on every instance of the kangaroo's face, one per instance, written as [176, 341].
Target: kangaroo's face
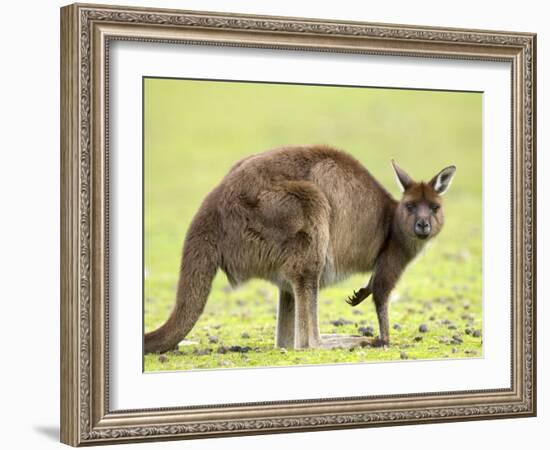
[419, 214]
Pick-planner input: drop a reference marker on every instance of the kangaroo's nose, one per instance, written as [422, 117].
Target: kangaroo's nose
[422, 228]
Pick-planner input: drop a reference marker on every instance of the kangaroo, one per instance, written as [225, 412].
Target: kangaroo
[303, 217]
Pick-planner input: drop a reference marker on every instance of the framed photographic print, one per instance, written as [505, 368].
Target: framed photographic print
[276, 224]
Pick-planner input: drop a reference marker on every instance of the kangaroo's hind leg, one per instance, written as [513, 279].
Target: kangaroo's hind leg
[285, 320]
[295, 215]
[305, 254]
[303, 268]
[306, 326]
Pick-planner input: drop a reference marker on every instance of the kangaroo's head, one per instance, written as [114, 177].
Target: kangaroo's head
[419, 214]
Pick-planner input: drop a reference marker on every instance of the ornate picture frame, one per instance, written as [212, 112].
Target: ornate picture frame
[86, 34]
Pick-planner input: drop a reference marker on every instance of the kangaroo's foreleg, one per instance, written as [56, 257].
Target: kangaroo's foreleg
[382, 306]
[389, 268]
[285, 320]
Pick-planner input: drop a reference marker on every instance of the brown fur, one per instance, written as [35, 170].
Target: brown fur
[302, 218]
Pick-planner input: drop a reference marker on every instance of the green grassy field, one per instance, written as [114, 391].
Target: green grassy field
[195, 131]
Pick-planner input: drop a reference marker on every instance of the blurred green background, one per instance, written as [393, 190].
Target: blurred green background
[194, 131]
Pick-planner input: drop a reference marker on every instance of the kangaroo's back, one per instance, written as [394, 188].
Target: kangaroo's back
[272, 196]
[343, 179]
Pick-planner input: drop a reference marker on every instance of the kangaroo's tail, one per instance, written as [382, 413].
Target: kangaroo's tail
[199, 264]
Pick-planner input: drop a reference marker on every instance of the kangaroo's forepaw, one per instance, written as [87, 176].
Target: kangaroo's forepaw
[358, 296]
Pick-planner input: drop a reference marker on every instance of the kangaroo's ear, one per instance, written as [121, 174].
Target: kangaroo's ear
[403, 179]
[443, 180]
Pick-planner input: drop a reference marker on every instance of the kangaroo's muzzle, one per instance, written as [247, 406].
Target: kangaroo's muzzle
[422, 228]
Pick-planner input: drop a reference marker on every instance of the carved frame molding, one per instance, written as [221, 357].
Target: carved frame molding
[86, 31]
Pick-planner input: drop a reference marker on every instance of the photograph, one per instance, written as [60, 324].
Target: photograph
[290, 224]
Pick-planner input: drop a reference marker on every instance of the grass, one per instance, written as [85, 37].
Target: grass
[195, 131]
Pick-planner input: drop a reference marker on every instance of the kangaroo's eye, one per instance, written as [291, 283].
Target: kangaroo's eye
[411, 207]
[434, 207]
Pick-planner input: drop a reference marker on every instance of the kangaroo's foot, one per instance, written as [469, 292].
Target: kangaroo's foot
[342, 341]
[302, 343]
